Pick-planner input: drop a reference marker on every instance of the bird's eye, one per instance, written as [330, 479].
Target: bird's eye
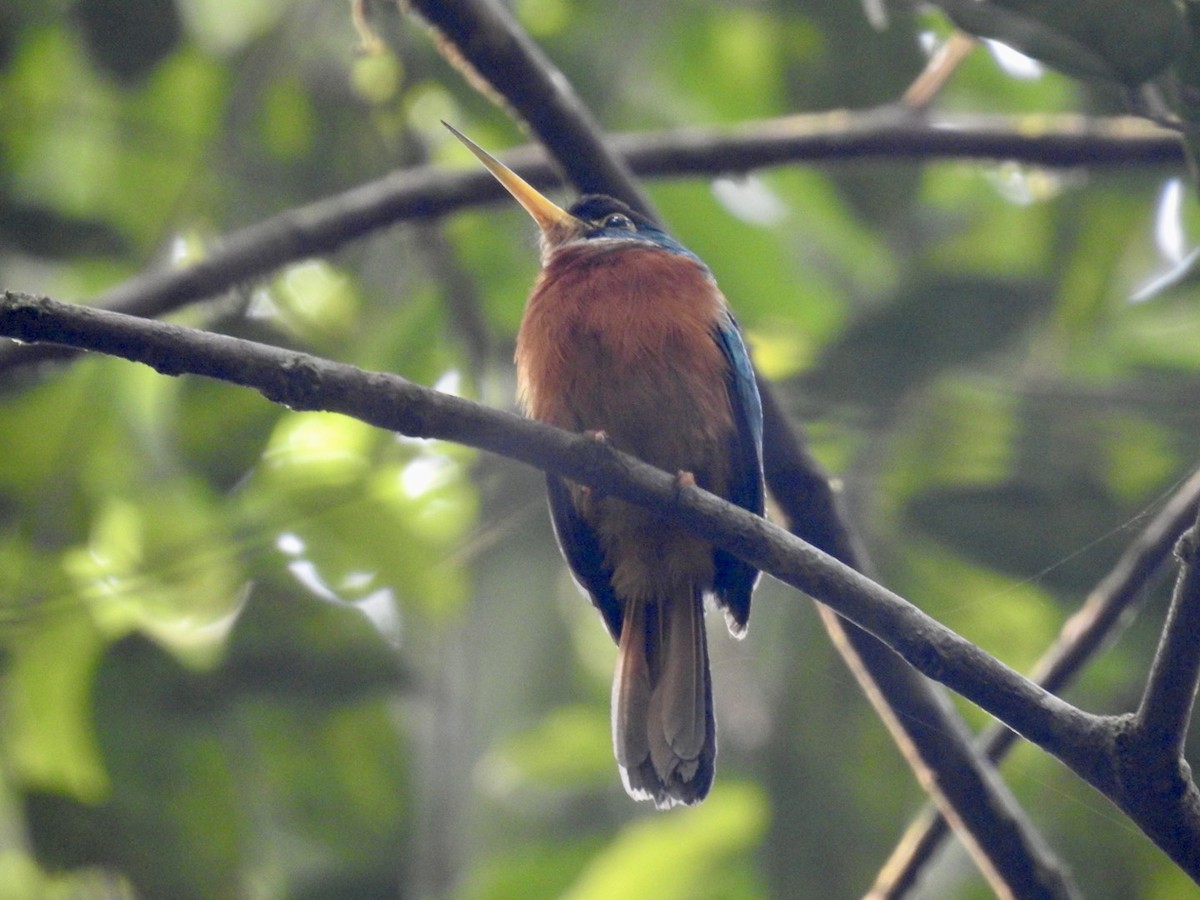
[618, 221]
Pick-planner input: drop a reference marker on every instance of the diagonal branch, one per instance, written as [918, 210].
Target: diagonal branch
[304, 382]
[1097, 748]
[930, 733]
[1103, 615]
[498, 57]
[944, 63]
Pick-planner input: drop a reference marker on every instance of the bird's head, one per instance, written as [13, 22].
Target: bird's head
[593, 217]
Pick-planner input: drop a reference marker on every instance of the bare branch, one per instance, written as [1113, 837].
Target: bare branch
[1002, 840]
[427, 191]
[1154, 782]
[1102, 616]
[893, 134]
[1166, 708]
[499, 58]
[1095, 747]
[304, 382]
[930, 734]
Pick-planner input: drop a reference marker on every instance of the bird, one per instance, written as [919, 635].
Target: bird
[627, 338]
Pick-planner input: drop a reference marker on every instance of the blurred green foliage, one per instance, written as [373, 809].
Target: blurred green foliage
[1125, 42]
[253, 653]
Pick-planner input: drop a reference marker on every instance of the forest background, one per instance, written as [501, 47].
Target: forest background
[256, 652]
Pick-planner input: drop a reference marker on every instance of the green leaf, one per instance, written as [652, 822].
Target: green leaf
[49, 740]
[931, 325]
[689, 855]
[569, 749]
[171, 821]
[163, 566]
[292, 648]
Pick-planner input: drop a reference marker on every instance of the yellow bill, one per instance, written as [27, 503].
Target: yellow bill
[551, 218]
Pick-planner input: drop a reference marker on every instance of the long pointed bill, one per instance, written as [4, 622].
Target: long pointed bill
[552, 219]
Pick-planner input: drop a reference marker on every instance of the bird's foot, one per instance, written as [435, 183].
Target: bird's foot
[599, 437]
[684, 479]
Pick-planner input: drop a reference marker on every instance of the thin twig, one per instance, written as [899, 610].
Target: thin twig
[944, 63]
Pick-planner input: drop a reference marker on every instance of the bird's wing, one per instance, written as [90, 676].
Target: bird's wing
[734, 579]
[581, 547]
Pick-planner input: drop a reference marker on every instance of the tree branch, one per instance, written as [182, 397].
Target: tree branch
[428, 191]
[929, 732]
[304, 382]
[1002, 840]
[932, 737]
[1102, 616]
[1166, 707]
[499, 58]
[942, 64]
[1154, 781]
[1092, 746]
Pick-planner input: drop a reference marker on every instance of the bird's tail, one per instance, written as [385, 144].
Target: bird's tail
[664, 733]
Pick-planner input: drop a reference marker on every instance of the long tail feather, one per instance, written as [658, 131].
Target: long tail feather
[664, 734]
[631, 690]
